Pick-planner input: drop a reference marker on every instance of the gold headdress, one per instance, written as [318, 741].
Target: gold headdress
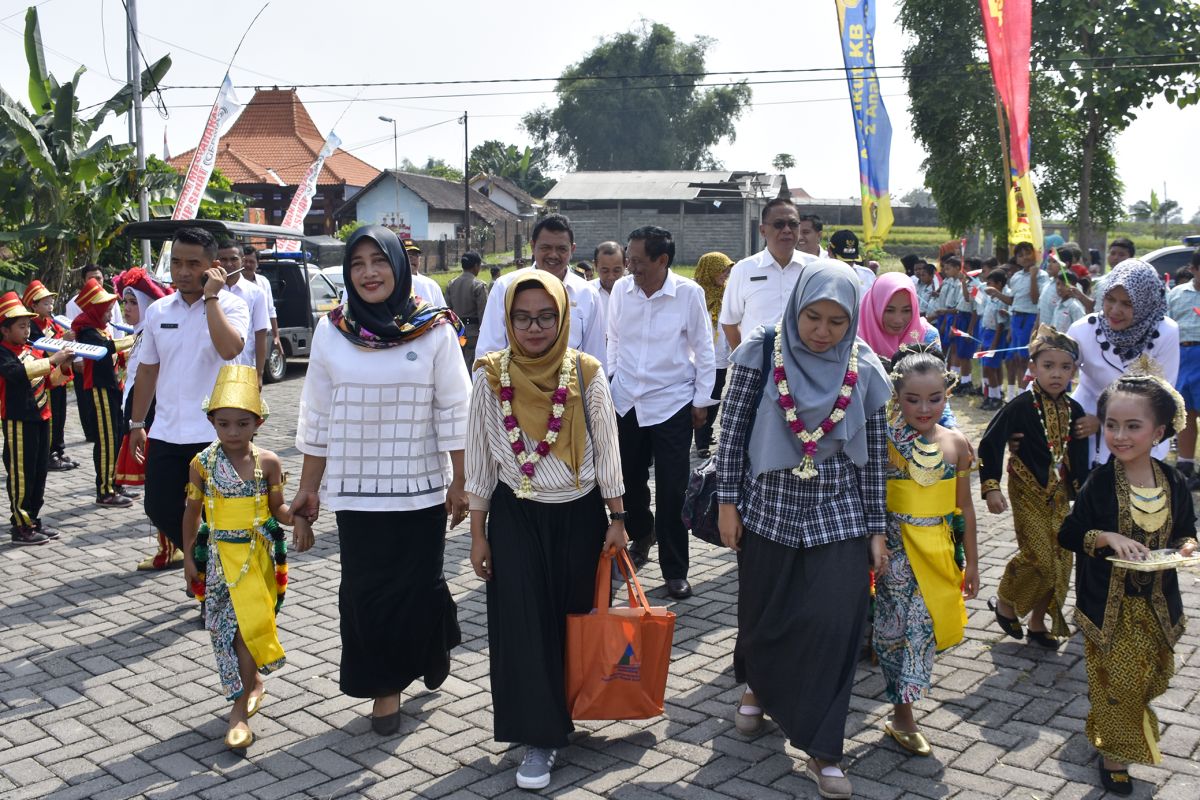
[1147, 369]
[236, 387]
[1047, 338]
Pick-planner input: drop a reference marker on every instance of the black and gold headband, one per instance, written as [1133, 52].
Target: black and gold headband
[1047, 338]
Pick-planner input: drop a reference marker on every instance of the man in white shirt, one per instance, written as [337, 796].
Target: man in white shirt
[186, 338]
[424, 286]
[843, 246]
[662, 368]
[759, 286]
[808, 236]
[553, 243]
[254, 353]
[609, 259]
[250, 263]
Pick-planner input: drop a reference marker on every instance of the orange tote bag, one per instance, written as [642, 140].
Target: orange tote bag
[617, 658]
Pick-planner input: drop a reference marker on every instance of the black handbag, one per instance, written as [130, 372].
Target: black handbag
[700, 506]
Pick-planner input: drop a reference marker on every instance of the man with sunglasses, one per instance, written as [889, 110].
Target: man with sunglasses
[759, 285]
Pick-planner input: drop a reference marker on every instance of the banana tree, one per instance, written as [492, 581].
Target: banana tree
[64, 193]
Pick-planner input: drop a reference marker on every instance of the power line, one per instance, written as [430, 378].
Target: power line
[1132, 61]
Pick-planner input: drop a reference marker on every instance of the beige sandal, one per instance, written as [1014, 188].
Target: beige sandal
[747, 718]
[834, 787]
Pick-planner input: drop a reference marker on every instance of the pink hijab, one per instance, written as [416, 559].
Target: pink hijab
[870, 320]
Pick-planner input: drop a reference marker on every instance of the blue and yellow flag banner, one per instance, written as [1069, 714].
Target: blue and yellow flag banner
[872, 128]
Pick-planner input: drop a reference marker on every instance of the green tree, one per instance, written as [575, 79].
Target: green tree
[526, 168]
[1107, 60]
[1161, 214]
[435, 167]
[783, 162]
[64, 193]
[918, 198]
[634, 103]
[964, 165]
[344, 232]
[1083, 92]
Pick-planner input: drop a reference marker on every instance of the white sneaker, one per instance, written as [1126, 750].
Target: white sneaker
[534, 772]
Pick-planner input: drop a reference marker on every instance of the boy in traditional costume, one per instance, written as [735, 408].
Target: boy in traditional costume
[1050, 465]
[236, 563]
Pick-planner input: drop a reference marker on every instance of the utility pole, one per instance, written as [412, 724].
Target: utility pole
[395, 168]
[138, 134]
[466, 186]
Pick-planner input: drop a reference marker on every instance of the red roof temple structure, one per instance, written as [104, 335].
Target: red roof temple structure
[266, 152]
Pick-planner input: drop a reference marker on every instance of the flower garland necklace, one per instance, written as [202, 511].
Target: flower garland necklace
[526, 461]
[809, 439]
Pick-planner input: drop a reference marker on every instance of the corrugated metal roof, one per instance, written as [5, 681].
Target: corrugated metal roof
[647, 185]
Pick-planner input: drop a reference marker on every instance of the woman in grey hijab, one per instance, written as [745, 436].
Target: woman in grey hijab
[800, 474]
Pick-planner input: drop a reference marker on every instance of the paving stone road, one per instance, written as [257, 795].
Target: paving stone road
[108, 690]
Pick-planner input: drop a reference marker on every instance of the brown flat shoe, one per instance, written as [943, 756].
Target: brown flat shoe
[828, 786]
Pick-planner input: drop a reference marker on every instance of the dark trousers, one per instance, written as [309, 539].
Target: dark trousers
[704, 434]
[667, 444]
[58, 419]
[166, 485]
[110, 425]
[27, 461]
[87, 411]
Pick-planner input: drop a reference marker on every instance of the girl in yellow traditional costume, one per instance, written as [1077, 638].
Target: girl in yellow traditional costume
[919, 605]
[1137, 509]
[236, 564]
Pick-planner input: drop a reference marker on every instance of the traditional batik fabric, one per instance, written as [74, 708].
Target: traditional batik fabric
[904, 637]
[1123, 680]
[220, 613]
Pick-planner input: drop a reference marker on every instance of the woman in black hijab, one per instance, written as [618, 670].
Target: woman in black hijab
[382, 425]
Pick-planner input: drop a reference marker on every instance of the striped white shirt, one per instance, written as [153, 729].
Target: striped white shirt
[489, 457]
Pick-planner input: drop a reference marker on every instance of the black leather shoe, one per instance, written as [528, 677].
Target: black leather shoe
[638, 555]
[679, 588]
[386, 725]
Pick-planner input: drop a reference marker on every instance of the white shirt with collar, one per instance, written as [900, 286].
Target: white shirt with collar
[865, 276]
[260, 317]
[587, 316]
[758, 290]
[175, 336]
[428, 290]
[604, 295]
[660, 349]
[265, 285]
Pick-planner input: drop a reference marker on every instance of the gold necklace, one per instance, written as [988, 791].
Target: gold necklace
[1148, 507]
[926, 464]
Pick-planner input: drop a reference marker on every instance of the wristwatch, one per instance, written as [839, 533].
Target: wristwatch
[133, 426]
[617, 516]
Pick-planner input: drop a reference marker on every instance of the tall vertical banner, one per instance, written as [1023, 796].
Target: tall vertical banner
[205, 157]
[1007, 25]
[872, 128]
[302, 199]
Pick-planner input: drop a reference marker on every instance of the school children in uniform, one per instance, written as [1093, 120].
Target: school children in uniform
[26, 375]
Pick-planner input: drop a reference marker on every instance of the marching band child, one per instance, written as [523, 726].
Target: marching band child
[40, 301]
[1131, 620]
[236, 564]
[102, 387]
[25, 377]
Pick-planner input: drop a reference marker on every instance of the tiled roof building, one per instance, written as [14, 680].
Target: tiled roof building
[267, 150]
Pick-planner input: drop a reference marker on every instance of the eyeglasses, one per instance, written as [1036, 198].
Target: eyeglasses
[544, 321]
[780, 224]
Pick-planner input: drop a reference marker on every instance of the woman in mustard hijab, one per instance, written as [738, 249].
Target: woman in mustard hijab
[542, 461]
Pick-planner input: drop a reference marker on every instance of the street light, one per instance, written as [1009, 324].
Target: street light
[395, 167]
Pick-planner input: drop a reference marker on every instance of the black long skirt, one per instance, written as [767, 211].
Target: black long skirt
[545, 557]
[801, 614]
[398, 620]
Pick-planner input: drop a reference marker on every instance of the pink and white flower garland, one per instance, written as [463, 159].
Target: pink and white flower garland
[808, 439]
[526, 461]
